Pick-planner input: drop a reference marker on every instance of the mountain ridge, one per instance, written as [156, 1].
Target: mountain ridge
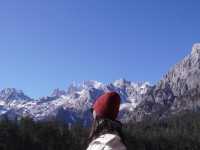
[178, 90]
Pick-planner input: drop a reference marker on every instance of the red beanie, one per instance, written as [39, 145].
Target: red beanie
[107, 105]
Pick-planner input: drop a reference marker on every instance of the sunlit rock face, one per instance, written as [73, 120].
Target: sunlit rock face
[178, 91]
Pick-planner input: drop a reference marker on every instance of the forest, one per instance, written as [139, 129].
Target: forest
[180, 132]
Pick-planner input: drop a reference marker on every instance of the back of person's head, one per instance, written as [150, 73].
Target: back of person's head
[107, 106]
[105, 111]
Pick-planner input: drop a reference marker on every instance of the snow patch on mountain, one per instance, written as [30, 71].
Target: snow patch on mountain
[8, 94]
[74, 102]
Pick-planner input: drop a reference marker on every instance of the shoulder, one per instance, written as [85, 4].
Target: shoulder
[107, 142]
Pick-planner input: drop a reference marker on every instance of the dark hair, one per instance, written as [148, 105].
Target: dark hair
[102, 126]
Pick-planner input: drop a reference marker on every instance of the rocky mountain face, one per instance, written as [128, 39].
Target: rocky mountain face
[71, 105]
[179, 90]
[9, 94]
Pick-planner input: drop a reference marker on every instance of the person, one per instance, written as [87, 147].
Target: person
[106, 131]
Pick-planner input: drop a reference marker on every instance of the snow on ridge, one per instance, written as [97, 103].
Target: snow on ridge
[78, 99]
[196, 48]
[2, 102]
[92, 84]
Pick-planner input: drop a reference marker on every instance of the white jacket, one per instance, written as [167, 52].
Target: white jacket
[107, 142]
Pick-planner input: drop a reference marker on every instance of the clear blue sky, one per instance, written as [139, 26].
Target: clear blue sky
[45, 44]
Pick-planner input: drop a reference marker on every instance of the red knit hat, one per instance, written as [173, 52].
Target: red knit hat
[107, 105]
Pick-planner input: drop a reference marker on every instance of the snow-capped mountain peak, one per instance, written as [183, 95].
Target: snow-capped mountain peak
[58, 93]
[13, 94]
[76, 101]
[92, 84]
[196, 49]
[121, 82]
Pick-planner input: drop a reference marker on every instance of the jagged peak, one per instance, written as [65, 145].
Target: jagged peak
[196, 49]
[10, 90]
[58, 92]
[92, 84]
[121, 82]
[13, 94]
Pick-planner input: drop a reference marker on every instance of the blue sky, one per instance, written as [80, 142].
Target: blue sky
[45, 44]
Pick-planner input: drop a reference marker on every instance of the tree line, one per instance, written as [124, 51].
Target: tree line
[181, 132]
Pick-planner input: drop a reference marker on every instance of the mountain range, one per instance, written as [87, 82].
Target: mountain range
[177, 91]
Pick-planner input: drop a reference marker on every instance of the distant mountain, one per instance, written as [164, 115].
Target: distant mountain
[9, 94]
[73, 104]
[57, 93]
[177, 91]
